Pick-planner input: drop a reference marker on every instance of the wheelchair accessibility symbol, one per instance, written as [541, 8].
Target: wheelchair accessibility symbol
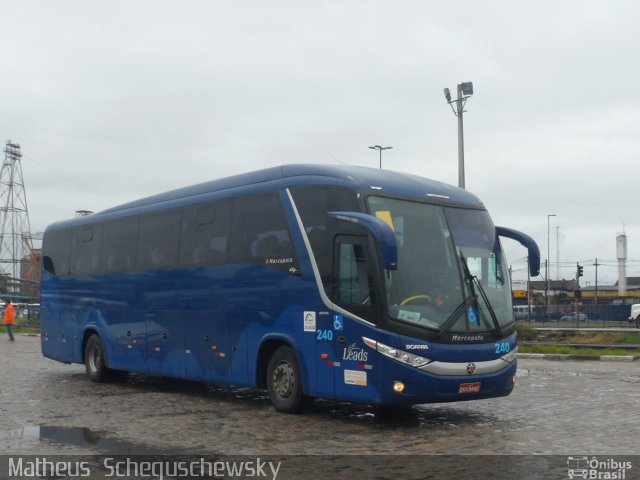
[338, 322]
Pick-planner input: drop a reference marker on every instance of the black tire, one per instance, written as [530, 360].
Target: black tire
[638, 321]
[94, 364]
[284, 382]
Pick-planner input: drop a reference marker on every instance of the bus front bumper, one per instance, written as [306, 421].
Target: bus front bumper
[410, 386]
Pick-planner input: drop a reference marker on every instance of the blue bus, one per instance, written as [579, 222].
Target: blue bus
[338, 282]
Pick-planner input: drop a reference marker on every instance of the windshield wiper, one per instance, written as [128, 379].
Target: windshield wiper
[453, 318]
[492, 312]
[472, 300]
[474, 279]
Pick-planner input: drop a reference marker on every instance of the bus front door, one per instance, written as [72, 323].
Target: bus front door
[354, 291]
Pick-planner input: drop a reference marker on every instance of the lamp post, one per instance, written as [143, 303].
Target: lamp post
[465, 90]
[380, 149]
[548, 269]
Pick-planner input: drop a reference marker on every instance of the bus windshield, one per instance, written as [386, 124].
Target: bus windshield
[430, 288]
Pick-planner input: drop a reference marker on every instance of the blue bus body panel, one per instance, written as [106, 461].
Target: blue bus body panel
[178, 324]
[365, 375]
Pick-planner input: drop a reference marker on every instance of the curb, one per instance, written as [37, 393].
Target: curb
[560, 356]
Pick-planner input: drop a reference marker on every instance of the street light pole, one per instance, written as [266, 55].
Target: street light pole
[380, 149]
[548, 263]
[460, 108]
[465, 90]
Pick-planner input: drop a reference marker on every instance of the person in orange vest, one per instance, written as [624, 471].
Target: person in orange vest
[9, 317]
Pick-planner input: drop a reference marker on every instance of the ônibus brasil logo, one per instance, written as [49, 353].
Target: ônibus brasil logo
[597, 468]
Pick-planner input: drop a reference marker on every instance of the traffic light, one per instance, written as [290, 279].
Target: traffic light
[579, 271]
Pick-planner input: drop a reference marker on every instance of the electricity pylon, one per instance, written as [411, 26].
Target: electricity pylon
[15, 231]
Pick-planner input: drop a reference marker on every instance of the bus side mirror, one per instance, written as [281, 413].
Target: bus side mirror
[528, 242]
[380, 229]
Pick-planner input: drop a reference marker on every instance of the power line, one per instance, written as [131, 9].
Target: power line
[79, 182]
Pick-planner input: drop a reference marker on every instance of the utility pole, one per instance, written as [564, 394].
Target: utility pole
[15, 231]
[528, 290]
[465, 90]
[577, 293]
[546, 290]
[510, 279]
[548, 264]
[557, 252]
[596, 297]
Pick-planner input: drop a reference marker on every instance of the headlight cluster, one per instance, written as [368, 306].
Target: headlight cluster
[511, 356]
[400, 355]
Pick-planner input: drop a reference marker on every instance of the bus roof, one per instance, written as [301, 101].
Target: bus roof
[382, 181]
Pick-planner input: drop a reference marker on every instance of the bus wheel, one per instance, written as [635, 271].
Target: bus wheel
[284, 382]
[94, 360]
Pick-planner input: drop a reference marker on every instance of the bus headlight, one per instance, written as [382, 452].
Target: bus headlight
[399, 355]
[511, 356]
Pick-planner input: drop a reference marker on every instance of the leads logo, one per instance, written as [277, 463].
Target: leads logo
[352, 352]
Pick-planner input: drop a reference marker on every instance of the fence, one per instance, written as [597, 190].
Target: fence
[589, 316]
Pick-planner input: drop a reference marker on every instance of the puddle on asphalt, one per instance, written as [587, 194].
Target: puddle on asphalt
[69, 437]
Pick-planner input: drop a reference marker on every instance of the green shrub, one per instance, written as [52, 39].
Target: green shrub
[526, 332]
[632, 338]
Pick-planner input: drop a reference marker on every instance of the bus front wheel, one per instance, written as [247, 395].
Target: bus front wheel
[94, 364]
[284, 382]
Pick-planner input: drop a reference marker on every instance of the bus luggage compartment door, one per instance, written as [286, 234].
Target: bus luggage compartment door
[165, 343]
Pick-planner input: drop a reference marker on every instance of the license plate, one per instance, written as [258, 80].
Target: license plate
[469, 387]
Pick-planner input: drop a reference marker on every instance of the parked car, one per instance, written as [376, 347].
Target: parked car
[571, 317]
[635, 314]
[521, 312]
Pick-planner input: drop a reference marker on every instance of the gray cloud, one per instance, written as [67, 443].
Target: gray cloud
[116, 100]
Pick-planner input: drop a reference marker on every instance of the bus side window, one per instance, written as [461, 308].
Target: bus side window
[260, 234]
[57, 252]
[159, 237]
[119, 244]
[85, 251]
[313, 203]
[353, 286]
[353, 281]
[205, 234]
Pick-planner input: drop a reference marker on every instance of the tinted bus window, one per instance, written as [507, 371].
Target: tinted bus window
[119, 245]
[57, 252]
[85, 250]
[158, 240]
[260, 234]
[205, 234]
[353, 279]
[313, 203]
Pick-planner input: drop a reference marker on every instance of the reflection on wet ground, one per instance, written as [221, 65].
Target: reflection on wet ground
[236, 411]
[97, 441]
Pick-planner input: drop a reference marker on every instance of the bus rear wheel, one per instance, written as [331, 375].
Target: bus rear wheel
[94, 364]
[284, 382]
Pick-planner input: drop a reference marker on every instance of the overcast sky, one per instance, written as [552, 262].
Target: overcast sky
[115, 100]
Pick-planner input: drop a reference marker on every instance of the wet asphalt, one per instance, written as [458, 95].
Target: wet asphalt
[557, 408]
